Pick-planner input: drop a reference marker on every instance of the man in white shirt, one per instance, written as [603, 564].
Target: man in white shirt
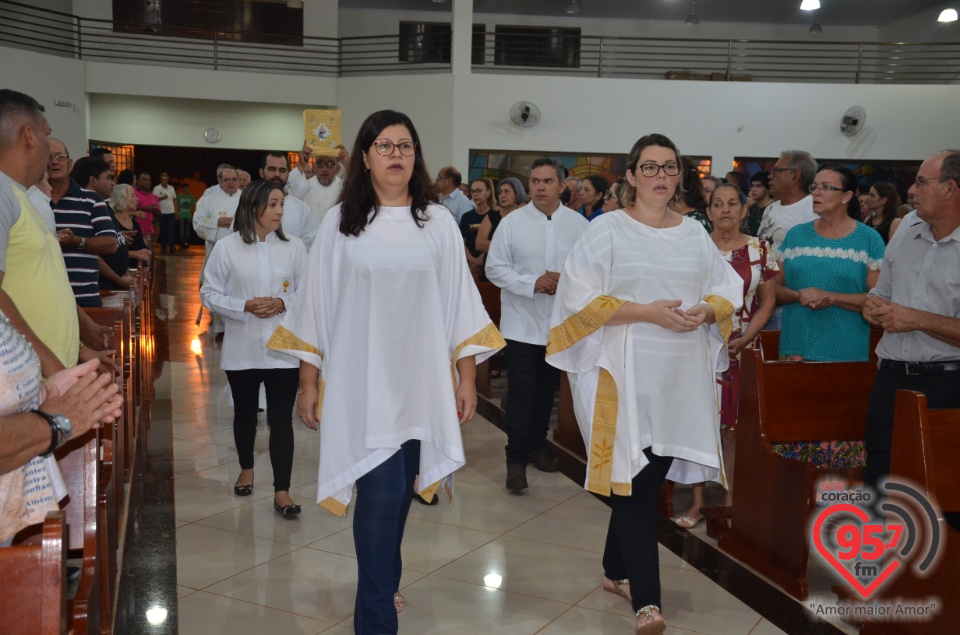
[298, 219]
[216, 189]
[524, 260]
[319, 186]
[790, 179]
[448, 184]
[168, 213]
[213, 219]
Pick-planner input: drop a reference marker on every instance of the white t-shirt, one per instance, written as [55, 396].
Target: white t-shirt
[167, 197]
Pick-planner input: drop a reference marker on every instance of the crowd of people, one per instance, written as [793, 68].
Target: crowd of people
[353, 300]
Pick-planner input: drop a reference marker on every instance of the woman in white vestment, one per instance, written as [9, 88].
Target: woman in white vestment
[389, 329]
[644, 309]
[251, 277]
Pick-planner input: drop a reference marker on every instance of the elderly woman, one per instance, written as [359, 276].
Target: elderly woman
[882, 203]
[390, 314]
[750, 257]
[611, 200]
[251, 277]
[828, 267]
[124, 203]
[592, 195]
[511, 196]
[641, 340]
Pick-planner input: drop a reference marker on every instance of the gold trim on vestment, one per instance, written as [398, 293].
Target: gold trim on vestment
[723, 312]
[602, 437]
[333, 506]
[586, 321]
[430, 491]
[487, 337]
[283, 339]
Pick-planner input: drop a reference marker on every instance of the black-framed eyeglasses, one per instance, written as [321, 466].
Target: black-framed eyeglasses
[779, 170]
[921, 181]
[385, 148]
[609, 195]
[671, 168]
[826, 187]
[326, 163]
[60, 156]
[477, 191]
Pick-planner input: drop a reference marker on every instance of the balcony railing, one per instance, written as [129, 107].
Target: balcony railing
[63, 34]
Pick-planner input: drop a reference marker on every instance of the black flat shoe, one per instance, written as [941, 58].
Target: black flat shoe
[243, 490]
[287, 511]
[424, 501]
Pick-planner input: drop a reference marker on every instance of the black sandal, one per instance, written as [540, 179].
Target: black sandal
[287, 511]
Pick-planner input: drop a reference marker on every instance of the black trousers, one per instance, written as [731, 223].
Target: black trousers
[942, 391]
[632, 547]
[531, 384]
[281, 388]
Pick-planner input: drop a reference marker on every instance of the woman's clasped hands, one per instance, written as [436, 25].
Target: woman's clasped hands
[669, 315]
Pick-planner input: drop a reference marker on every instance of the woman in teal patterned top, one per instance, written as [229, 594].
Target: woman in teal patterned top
[828, 267]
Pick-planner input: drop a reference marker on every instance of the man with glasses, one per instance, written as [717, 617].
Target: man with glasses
[916, 303]
[524, 260]
[448, 184]
[790, 180]
[319, 186]
[84, 227]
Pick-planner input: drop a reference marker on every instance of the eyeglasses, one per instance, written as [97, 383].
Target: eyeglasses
[779, 170]
[609, 195]
[823, 187]
[329, 163]
[60, 156]
[921, 181]
[477, 191]
[442, 177]
[385, 148]
[652, 169]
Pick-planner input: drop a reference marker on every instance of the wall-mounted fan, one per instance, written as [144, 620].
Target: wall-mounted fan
[525, 114]
[853, 121]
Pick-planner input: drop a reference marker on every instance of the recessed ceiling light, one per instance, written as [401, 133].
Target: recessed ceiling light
[948, 15]
[810, 5]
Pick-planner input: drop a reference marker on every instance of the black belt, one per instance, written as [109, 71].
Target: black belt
[920, 368]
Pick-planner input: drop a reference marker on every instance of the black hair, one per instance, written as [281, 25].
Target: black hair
[15, 104]
[848, 181]
[86, 168]
[125, 177]
[358, 198]
[762, 177]
[279, 155]
[99, 153]
[601, 185]
[553, 163]
[253, 203]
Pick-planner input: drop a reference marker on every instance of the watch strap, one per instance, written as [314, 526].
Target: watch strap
[56, 434]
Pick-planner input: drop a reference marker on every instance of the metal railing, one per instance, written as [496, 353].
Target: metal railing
[63, 34]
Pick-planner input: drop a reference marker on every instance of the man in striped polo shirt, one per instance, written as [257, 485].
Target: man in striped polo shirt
[84, 228]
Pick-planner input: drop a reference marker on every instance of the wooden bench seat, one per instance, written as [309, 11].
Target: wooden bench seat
[773, 497]
[925, 450]
[34, 599]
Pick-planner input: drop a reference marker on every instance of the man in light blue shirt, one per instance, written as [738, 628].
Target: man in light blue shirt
[448, 184]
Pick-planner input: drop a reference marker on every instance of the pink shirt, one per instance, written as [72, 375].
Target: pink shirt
[146, 199]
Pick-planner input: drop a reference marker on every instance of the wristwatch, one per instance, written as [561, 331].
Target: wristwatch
[60, 429]
[82, 244]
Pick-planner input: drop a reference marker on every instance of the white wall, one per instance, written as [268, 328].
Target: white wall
[165, 121]
[48, 79]
[320, 18]
[100, 9]
[704, 118]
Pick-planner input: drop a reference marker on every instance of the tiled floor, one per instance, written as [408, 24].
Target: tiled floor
[491, 563]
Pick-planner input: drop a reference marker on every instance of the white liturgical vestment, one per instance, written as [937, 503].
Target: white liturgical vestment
[384, 316]
[640, 385]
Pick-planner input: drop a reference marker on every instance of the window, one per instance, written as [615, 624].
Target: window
[537, 46]
[430, 42]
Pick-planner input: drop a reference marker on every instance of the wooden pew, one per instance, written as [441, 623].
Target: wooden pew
[926, 445]
[34, 599]
[773, 497]
[79, 463]
[490, 296]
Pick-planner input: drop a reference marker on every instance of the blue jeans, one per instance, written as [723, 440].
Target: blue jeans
[168, 236]
[383, 500]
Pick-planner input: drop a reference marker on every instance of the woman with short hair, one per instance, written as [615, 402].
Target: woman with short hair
[511, 195]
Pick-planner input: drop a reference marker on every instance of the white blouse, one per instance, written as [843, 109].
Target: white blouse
[237, 272]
